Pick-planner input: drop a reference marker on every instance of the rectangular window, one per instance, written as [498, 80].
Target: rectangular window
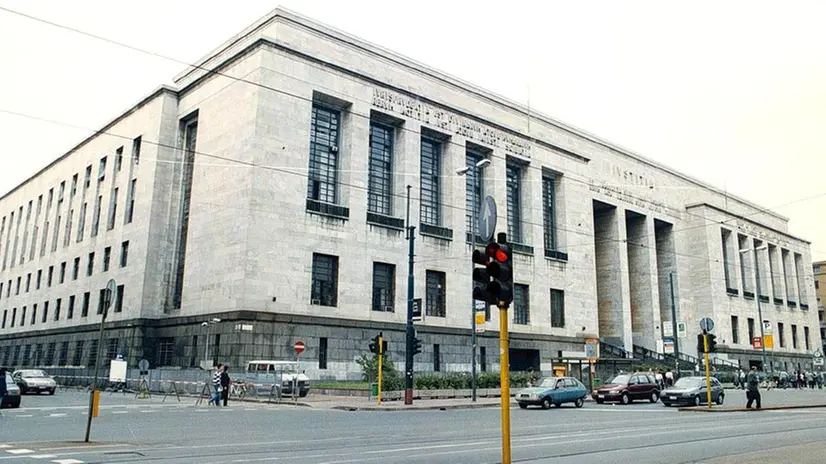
[557, 308]
[750, 323]
[45, 311]
[73, 192]
[384, 286]
[84, 308]
[63, 354]
[62, 276]
[124, 253]
[118, 159]
[17, 287]
[102, 169]
[107, 256]
[28, 282]
[13, 317]
[136, 150]
[49, 276]
[474, 182]
[96, 216]
[322, 353]
[806, 337]
[77, 358]
[57, 305]
[323, 171]
[70, 311]
[380, 170]
[521, 304]
[119, 299]
[112, 348]
[37, 282]
[514, 194]
[781, 334]
[435, 292]
[130, 201]
[725, 237]
[113, 209]
[549, 212]
[88, 177]
[794, 333]
[437, 358]
[325, 280]
[76, 268]
[101, 300]
[5, 316]
[189, 128]
[90, 265]
[67, 234]
[50, 348]
[431, 182]
[735, 330]
[166, 351]
[81, 222]
[93, 353]
[746, 266]
[483, 359]
[23, 317]
[34, 315]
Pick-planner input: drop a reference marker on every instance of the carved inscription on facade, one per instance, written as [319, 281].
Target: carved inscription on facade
[631, 199]
[450, 122]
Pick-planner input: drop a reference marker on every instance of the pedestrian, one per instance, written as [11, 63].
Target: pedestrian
[4, 389]
[669, 378]
[742, 379]
[659, 378]
[753, 388]
[225, 383]
[216, 385]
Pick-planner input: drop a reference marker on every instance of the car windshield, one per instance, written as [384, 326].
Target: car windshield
[687, 382]
[33, 374]
[621, 379]
[549, 382]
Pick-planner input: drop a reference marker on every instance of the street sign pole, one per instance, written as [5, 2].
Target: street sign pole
[504, 383]
[381, 353]
[94, 394]
[674, 326]
[473, 233]
[708, 369]
[408, 338]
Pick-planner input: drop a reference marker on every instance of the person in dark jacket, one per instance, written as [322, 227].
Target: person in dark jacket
[752, 388]
[4, 389]
[225, 382]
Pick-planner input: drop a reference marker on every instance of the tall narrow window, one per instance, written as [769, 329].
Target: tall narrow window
[62, 275]
[549, 212]
[102, 169]
[430, 188]
[96, 216]
[81, 222]
[28, 282]
[37, 283]
[437, 358]
[325, 280]
[76, 268]
[57, 305]
[107, 256]
[514, 191]
[113, 209]
[119, 299]
[118, 160]
[750, 324]
[521, 304]
[102, 300]
[90, 266]
[781, 337]
[384, 286]
[130, 202]
[73, 192]
[380, 170]
[190, 138]
[36, 229]
[67, 234]
[50, 276]
[87, 179]
[77, 357]
[735, 330]
[324, 139]
[474, 182]
[322, 353]
[136, 150]
[725, 236]
[806, 337]
[70, 311]
[794, 333]
[124, 253]
[557, 308]
[435, 293]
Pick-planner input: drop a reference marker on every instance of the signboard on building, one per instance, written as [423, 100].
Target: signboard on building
[769, 340]
[668, 344]
[756, 343]
[592, 349]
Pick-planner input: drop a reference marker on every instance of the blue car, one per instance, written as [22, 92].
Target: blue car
[553, 391]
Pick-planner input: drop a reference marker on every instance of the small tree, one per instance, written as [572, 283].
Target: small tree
[370, 367]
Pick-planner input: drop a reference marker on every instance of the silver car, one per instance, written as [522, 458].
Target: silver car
[692, 391]
[12, 398]
[34, 380]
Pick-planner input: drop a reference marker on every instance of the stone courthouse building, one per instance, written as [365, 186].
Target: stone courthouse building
[267, 189]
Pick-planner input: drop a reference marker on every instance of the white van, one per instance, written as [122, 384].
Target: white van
[284, 372]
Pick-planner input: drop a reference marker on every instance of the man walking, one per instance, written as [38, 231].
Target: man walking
[216, 385]
[225, 382]
[752, 388]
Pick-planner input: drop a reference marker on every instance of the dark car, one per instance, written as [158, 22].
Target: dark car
[625, 388]
[553, 391]
[12, 398]
[692, 390]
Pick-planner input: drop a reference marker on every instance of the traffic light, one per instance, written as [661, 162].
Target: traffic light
[374, 344]
[500, 270]
[383, 346]
[712, 343]
[482, 285]
[417, 346]
[701, 346]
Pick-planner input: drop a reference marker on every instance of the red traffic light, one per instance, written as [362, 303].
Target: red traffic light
[495, 251]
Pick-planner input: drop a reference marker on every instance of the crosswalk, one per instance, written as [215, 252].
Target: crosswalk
[12, 451]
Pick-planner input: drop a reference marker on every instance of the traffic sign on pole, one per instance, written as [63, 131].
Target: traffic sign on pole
[707, 324]
[487, 219]
[592, 349]
[299, 347]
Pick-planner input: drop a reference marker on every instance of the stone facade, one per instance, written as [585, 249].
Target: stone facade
[224, 227]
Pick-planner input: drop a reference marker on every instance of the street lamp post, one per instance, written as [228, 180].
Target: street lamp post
[206, 324]
[474, 176]
[759, 307]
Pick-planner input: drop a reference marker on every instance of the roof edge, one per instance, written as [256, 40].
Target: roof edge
[738, 216]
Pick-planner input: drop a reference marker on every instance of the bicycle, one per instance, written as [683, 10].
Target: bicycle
[239, 390]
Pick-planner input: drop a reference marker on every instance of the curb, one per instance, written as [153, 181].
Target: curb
[419, 408]
[743, 409]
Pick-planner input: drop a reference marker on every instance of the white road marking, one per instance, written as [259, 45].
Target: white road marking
[25, 415]
[5, 446]
[57, 415]
[19, 451]
[42, 456]
[120, 412]
[67, 461]
[147, 411]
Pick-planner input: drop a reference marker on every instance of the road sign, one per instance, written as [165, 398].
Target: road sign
[706, 324]
[480, 321]
[668, 344]
[756, 343]
[769, 340]
[767, 327]
[817, 354]
[299, 347]
[817, 361]
[111, 293]
[682, 331]
[592, 349]
[487, 219]
[143, 365]
[417, 309]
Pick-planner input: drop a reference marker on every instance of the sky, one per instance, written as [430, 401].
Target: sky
[729, 92]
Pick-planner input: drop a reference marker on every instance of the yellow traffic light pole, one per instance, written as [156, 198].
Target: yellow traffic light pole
[504, 382]
[708, 369]
[381, 352]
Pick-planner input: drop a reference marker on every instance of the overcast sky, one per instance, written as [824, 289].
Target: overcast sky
[729, 92]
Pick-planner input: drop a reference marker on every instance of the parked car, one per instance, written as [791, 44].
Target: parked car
[285, 372]
[12, 399]
[626, 388]
[692, 390]
[553, 391]
[34, 380]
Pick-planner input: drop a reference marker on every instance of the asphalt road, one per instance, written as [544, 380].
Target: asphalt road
[51, 429]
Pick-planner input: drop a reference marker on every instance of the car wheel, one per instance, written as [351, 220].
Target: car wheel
[654, 397]
[51, 392]
[546, 403]
[697, 401]
[600, 401]
[523, 406]
[720, 398]
[625, 399]
[303, 394]
[667, 405]
[579, 402]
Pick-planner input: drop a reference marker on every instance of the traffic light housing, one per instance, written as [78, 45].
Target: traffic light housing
[500, 270]
[417, 346]
[701, 346]
[383, 346]
[712, 343]
[483, 289]
[374, 344]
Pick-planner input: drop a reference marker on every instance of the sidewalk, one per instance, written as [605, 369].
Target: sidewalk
[772, 400]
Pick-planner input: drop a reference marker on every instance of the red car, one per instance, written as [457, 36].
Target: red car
[625, 388]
